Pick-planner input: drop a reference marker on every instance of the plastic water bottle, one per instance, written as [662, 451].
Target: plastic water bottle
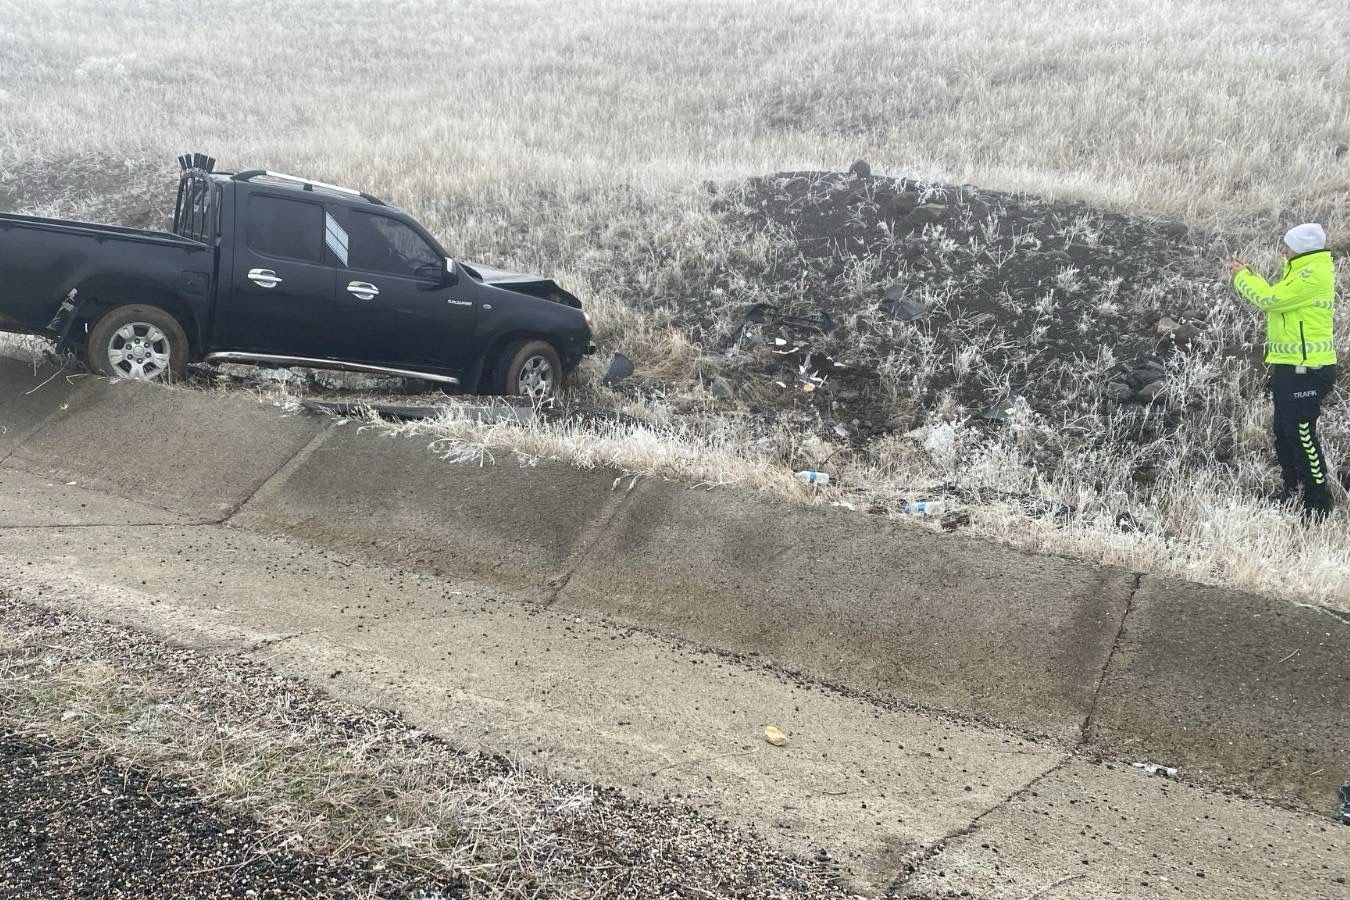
[922, 508]
[811, 477]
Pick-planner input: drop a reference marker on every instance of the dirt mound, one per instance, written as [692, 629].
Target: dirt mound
[885, 299]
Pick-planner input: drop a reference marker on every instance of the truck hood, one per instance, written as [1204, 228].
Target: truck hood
[521, 283]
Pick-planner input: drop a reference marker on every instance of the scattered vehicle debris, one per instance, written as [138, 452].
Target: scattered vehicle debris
[620, 367]
[1000, 412]
[923, 508]
[774, 736]
[1345, 804]
[271, 269]
[770, 315]
[520, 415]
[383, 410]
[899, 306]
[1155, 769]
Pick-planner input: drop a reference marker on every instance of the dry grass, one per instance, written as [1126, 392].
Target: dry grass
[575, 139]
[1168, 107]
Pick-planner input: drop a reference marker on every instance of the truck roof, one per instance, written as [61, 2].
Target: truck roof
[296, 183]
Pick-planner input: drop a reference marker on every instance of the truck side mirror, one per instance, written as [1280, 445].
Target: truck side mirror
[435, 276]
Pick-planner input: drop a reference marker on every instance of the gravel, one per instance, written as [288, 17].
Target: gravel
[220, 773]
[76, 823]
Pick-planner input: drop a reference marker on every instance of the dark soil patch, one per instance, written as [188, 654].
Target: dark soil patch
[885, 297]
[75, 825]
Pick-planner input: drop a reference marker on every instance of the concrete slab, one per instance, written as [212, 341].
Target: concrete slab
[869, 786]
[191, 452]
[1250, 691]
[934, 619]
[240, 585]
[1089, 831]
[30, 500]
[556, 690]
[393, 499]
[30, 395]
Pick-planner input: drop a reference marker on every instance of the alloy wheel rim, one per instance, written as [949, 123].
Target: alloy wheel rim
[536, 378]
[139, 351]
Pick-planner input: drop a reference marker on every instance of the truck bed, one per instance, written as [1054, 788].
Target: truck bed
[41, 260]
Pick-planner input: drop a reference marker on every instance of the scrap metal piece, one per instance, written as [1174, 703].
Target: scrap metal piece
[902, 307]
[384, 410]
[619, 368]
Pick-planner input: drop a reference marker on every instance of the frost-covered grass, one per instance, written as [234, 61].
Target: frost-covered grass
[574, 139]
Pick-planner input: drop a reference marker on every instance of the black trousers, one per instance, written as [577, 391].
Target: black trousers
[1298, 403]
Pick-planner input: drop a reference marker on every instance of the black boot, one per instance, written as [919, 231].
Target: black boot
[1317, 503]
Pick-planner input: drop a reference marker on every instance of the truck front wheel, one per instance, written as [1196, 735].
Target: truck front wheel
[529, 369]
[141, 343]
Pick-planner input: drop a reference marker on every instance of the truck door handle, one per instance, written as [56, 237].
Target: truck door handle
[264, 277]
[363, 290]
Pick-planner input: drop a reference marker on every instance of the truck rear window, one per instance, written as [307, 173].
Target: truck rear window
[291, 229]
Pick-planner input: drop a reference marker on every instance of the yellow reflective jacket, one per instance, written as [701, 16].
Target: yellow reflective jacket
[1298, 309]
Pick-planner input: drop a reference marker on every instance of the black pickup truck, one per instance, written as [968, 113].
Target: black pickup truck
[276, 270]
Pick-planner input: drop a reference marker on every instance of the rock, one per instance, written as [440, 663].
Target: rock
[1153, 390]
[1118, 392]
[955, 520]
[1167, 325]
[926, 214]
[898, 206]
[1144, 373]
[774, 736]
[721, 390]
[1175, 231]
[1185, 334]
[1193, 314]
[860, 169]
[1145, 474]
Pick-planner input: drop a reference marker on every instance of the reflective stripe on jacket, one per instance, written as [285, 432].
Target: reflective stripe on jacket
[1298, 308]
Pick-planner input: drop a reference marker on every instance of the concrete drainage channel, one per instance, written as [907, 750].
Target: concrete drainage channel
[1088, 662]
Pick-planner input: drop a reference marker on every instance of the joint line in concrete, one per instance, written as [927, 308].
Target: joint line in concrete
[588, 539]
[932, 850]
[1110, 657]
[279, 475]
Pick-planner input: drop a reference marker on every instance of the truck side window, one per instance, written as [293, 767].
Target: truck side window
[291, 229]
[381, 244]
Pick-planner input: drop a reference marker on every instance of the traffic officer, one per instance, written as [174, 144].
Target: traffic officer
[1302, 357]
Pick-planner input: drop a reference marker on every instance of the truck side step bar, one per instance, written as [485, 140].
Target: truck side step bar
[267, 359]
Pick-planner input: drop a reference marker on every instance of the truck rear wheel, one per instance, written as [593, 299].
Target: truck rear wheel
[529, 369]
[140, 343]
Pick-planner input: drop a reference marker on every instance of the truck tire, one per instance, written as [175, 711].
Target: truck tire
[140, 343]
[528, 369]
